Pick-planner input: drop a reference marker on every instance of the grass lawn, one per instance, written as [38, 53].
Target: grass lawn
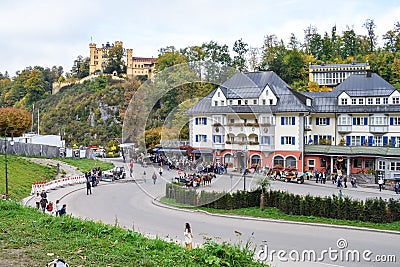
[85, 165]
[274, 213]
[22, 174]
[31, 238]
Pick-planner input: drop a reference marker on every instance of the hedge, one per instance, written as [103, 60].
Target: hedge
[372, 210]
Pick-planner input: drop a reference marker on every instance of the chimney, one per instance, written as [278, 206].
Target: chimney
[369, 73]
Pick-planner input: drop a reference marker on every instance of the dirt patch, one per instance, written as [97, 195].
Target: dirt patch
[16, 258]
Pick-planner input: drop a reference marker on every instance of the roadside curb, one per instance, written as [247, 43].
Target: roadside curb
[158, 203]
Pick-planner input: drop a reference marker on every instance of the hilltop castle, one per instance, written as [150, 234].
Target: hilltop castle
[134, 65]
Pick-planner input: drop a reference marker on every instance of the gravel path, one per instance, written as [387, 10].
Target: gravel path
[70, 171]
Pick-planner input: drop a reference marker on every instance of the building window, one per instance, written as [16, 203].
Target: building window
[288, 140]
[239, 102]
[216, 103]
[217, 139]
[311, 163]
[355, 141]
[246, 102]
[291, 161]
[322, 121]
[264, 102]
[278, 160]
[395, 166]
[219, 94]
[369, 164]
[344, 101]
[361, 101]
[344, 120]
[353, 101]
[396, 100]
[381, 165]
[370, 101]
[379, 121]
[231, 102]
[378, 101]
[386, 101]
[255, 102]
[357, 163]
[222, 103]
[201, 138]
[232, 121]
[288, 120]
[360, 121]
[270, 102]
[201, 121]
[395, 121]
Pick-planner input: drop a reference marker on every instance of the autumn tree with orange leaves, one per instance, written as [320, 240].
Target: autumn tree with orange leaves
[14, 121]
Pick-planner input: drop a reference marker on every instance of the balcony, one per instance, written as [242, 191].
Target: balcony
[219, 146]
[267, 148]
[344, 128]
[308, 127]
[378, 129]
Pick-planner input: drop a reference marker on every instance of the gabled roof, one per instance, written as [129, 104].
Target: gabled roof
[357, 85]
[363, 86]
[250, 85]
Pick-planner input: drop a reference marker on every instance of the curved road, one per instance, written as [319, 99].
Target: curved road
[131, 205]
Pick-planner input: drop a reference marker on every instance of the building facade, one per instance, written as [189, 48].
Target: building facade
[257, 119]
[333, 74]
[134, 65]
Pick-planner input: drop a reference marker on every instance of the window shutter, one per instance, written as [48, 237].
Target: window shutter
[293, 121]
[391, 121]
[348, 140]
[315, 139]
[205, 138]
[282, 120]
[197, 138]
[329, 137]
[354, 121]
[268, 140]
[316, 121]
[365, 121]
[362, 140]
[282, 140]
[328, 120]
[293, 140]
[262, 140]
[370, 140]
[197, 121]
[385, 140]
[393, 139]
[213, 138]
[205, 121]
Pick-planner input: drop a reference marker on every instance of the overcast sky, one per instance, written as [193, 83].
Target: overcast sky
[53, 33]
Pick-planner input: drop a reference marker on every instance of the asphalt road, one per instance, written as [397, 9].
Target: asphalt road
[130, 205]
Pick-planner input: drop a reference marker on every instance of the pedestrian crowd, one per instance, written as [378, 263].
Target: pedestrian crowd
[47, 206]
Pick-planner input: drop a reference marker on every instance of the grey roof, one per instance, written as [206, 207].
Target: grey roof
[362, 85]
[357, 85]
[250, 85]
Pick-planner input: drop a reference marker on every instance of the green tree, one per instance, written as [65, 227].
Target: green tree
[115, 60]
[369, 24]
[239, 60]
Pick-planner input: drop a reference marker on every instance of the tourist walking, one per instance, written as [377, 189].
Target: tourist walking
[154, 177]
[37, 200]
[144, 176]
[57, 207]
[380, 183]
[188, 236]
[43, 204]
[88, 187]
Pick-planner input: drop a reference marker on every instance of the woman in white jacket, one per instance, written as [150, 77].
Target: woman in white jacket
[188, 236]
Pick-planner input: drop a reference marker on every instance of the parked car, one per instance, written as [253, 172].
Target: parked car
[119, 173]
[108, 176]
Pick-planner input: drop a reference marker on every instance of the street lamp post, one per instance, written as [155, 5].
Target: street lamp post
[245, 168]
[5, 154]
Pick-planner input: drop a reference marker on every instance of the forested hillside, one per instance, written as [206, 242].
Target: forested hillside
[92, 113]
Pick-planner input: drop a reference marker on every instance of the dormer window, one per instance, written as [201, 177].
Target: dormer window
[378, 101]
[222, 103]
[270, 102]
[255, 102]
[396, 100]
[216, 103]
[361, 101]
[246, 102]
[231, 102]
[219, 94]
[239, 102]
[385, 101]
[354, 101]
[370, 101]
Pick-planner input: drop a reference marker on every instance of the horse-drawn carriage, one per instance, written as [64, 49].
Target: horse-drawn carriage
[288, 174]
[195, 180]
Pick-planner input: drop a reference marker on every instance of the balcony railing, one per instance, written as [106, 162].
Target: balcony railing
[378, 128]
[344, 128]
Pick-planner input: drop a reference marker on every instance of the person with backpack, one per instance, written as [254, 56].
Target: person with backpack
[49, 207]
[43, 204]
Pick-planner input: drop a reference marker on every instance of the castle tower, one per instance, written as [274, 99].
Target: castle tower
[93, 58]
[129, 62]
